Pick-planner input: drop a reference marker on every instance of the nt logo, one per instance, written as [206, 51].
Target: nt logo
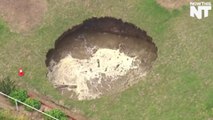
[200, 9]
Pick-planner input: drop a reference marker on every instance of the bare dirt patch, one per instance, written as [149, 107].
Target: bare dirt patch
[99, 57]
[173, 4]
[22, 15]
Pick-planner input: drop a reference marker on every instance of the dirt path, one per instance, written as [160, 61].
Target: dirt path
[50, 104]
[4, 103]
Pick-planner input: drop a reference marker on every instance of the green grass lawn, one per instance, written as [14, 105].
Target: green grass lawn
[179, 87]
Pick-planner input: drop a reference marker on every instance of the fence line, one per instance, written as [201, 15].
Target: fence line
[18, 101]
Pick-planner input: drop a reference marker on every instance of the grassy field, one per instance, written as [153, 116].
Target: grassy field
[179, 87]
[6, 115]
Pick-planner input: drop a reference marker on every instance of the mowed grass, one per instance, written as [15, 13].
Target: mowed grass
[180, 85]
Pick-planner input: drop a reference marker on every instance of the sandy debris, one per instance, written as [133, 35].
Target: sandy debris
[110, 63]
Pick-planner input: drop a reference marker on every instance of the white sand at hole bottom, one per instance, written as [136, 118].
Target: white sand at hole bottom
[108, 62]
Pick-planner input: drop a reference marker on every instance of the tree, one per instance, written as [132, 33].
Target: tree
[20, 95]
[7, 85]
[32, 102]
[57, 114]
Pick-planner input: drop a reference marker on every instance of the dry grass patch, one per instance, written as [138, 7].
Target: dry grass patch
[173, 4]
[22, 15]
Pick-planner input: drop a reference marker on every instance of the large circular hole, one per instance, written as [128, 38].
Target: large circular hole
[98, 57]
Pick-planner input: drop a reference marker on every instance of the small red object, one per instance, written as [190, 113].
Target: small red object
[21, 72]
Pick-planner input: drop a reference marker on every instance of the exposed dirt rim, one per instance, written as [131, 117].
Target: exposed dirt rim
[108, 25]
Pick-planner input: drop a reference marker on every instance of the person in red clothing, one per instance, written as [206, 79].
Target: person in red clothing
[21, 72]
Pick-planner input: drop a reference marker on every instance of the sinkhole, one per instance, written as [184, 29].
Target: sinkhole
[101, 56]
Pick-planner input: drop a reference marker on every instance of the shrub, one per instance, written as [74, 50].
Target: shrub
[7, 85]
[57, 114]
[32, 102]
[20, 95]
